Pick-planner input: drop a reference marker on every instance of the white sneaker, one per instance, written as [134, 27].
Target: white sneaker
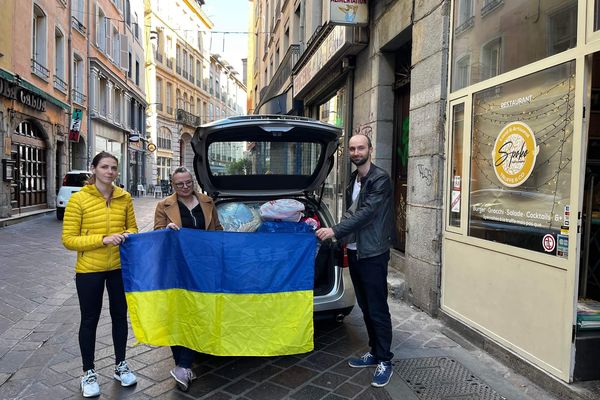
[89, 384]
[124, 375]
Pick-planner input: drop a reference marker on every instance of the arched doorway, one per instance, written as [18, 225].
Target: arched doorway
[28, 151]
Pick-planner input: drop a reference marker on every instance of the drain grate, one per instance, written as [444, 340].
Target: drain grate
[442, 378]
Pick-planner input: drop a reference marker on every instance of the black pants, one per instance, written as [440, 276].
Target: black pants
[369, 277]
[90, 289]
[183, 356]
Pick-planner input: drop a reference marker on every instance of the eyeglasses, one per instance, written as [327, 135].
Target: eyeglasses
[181, 185]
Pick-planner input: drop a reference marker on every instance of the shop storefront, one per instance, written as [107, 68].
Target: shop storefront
[518, 261]
[323, 82]
[32, 128]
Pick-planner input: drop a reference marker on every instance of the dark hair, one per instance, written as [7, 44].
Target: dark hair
[96, 160]
[181, 170]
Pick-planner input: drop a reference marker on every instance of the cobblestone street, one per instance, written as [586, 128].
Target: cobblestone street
[40, 359]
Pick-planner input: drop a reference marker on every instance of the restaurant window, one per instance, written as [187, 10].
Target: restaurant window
[515, 34]
[462, 72]
[458, 119]
[521, 159]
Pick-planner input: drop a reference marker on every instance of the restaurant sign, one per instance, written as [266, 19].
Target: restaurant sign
[514, 154]
[12, 91]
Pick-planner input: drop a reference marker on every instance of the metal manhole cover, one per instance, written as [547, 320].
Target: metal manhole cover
[442, 378]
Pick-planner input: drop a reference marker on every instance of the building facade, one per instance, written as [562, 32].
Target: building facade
[366, 67]
[35, 104]
[485, 115]
[188, 86]
[116, 82]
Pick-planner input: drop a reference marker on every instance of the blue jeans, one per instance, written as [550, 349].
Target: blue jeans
[369, 277]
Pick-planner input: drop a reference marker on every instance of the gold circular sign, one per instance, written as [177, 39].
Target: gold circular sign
[151, 147]
[514, 154]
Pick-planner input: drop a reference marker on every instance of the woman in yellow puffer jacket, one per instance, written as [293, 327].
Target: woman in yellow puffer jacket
[97, 220]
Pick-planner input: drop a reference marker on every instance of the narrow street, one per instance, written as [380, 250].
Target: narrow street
[39, 353]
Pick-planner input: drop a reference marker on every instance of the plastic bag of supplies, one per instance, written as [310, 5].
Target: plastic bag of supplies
[282, 210]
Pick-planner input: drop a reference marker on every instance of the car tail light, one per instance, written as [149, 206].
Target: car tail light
[64, 180]
[345, 257]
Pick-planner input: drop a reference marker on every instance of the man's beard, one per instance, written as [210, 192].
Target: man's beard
[360, 161]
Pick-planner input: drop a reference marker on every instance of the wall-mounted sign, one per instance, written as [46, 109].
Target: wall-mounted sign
[151, 147]
[75, 125]
[333, 43]
[348, 12]
[514, 154]
[134, 136]
[14, 92]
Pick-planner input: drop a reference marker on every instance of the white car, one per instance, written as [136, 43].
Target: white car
[72, 182]
[254, 159]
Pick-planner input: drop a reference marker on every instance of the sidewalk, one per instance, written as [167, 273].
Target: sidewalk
[39, 352]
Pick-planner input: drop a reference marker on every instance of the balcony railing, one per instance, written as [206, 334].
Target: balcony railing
[170, 63]
[77, 25]
[159, 106]
[169, 110]
[178, 69]
[185, 75]
[187, 118]
[159, 57]
[39, 69]
[465, 25]
[199, 82]
[60, 84]
[78, 97]
[283, 73]
[490, 6]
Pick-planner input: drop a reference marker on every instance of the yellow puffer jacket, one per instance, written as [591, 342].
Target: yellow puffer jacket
[88, 219]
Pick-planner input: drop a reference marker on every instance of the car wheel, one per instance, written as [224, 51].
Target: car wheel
[60, 214]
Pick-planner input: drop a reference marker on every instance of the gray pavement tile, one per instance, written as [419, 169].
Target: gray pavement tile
[440, 342]
[294, 376]
[372, 393]
[155, 355]
[364, 377]
[331, 396]
[240, 367]
[16, 333]
[40, 391]
[310, 392]
[329, 380]
[12, 361]
[320, 360]
[264, 373]
[4, 377]
[112, 388]
[343, 368]
[26, 324]
[218, 396]
[240, 386]
[287, 361]
[64, 366]
[158, 371]
[206, 384]
[160, 388]
[36, 336]
[348, 390]
[267, 391]
[48, 326]
[24, 373]
[28, 345]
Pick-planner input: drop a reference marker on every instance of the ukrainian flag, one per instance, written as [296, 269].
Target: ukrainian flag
[221, 293]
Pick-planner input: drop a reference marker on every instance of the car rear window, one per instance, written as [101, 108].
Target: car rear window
[77, 180]
[263, 158]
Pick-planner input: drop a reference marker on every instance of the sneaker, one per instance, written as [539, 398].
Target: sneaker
[124, 375]
[367, 360]
[183, 376]
[89, 384]
[383, 374]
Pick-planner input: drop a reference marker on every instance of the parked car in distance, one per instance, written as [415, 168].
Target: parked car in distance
[245, 161]
[72, 182]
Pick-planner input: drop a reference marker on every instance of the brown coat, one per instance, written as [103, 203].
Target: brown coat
[168, 211]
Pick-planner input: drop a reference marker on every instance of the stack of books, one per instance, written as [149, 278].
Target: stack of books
[588, 314]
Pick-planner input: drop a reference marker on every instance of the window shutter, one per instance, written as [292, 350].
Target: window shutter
[124, 53]
[108, 31]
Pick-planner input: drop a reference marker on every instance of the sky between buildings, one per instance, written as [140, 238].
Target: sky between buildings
[229, 16]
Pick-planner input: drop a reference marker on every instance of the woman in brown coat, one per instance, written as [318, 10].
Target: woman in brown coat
[185, 208]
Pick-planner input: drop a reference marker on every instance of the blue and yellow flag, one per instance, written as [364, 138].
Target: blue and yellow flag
[221, 293]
